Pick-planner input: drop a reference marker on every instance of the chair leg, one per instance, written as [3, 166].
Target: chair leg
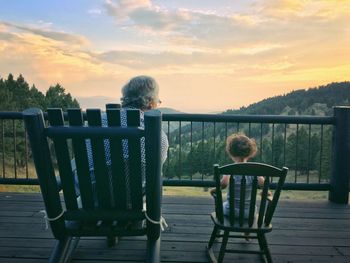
[210, 252]
[264, 247]
[223, 246]
[153, 250]
[72, 247]
[112, 241]
[61, 252]
[213, 236]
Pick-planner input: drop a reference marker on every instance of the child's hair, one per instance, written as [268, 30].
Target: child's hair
[239, 145]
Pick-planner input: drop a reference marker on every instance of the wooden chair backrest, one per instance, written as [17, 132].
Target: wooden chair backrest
[240, 171]
[108, 201]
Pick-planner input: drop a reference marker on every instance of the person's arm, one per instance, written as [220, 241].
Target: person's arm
[164, 147]
[223, 183]
[261, 181]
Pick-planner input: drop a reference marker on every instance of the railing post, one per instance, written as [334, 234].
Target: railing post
[339, 192]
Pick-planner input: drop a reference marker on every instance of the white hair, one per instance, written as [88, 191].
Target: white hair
[140, 92]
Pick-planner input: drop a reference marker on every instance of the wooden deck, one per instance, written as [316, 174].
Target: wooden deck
[315, 231]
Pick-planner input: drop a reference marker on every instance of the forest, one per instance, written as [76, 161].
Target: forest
[304, 149]
[194, 148]
[16, 95]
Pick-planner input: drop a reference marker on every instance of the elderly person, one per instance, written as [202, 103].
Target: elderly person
[141, 93]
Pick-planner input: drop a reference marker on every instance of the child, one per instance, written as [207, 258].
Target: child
[240, 148]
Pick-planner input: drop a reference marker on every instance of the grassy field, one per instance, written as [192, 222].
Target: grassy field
[286, 194]
[179, 191]
[188, 191]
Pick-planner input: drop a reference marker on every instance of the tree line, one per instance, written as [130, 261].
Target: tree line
[17, 95]
[313, 101]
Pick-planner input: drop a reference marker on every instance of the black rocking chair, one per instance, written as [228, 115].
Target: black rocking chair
[104, 209]
[257, 223]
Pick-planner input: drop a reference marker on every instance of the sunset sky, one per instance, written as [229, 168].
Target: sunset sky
[207, 55]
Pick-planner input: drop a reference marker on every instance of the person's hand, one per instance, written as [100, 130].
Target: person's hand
[269, 195]
[261, 181]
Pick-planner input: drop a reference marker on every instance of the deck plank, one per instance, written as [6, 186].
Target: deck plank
[312, 231]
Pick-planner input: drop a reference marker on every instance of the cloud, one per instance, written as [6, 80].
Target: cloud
[268, 20]
[7, 36]
[311, 9]
[242, 60]
[48, 58]
[120, 9]
[95, 11]
[161, 19]
[50, 34]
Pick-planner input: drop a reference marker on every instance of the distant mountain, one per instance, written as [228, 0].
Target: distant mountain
[95, 101]
[168, 110]
[313, 101]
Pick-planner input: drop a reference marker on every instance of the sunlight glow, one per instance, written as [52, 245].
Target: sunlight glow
[253, 49]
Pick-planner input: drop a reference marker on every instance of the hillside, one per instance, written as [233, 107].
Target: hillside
[299, 148]
[168, 110]
[313, 101]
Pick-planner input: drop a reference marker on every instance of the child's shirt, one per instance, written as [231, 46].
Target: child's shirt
[237, 187]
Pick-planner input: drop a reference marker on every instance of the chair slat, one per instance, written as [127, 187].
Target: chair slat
[251, 168]
[75, 118]
[242, 201]
[272, 207]
[218, 199]
[118, 162]
[112, 106]
[263, 201]
[253, 201]
[134, 149]
[56, 118]
[232, 199]
[101, 172]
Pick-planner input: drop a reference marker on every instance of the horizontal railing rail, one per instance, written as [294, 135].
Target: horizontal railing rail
[249, 118]
[196, 141]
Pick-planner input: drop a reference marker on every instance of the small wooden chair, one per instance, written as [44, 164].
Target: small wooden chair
[258, 222]
[104, 205]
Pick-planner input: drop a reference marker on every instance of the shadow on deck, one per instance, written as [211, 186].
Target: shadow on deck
[315, 231]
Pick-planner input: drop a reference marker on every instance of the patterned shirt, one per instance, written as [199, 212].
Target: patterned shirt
[237, 189]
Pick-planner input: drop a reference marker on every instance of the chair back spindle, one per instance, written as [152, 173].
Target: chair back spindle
[218, 200]
[118, 178]
[55, 117]
[135, 162]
